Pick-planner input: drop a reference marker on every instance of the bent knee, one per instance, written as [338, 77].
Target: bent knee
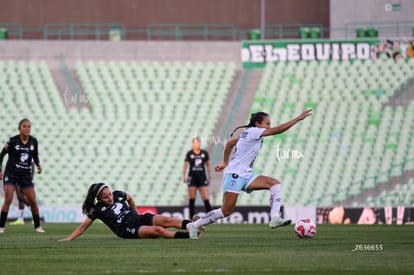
[156, 230]
[271, 181]
[168, 221]
[8, 199]
[159, 230]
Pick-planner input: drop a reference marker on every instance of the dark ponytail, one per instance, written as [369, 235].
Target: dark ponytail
[255, 117]
[93, 193]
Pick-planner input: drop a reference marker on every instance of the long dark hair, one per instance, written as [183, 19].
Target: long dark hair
[255, 117]
[93, 193]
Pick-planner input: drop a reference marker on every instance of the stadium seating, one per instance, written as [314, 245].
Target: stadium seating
[356, 139]
[139, 124]
[140, 118]
[402, 195]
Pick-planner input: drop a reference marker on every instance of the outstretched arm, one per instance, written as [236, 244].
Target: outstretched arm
[226, 155]
[79, 230]
[208, 165]
[36, 159]
[285, 126]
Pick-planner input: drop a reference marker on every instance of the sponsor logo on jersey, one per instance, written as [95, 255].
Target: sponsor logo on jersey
[24, 157]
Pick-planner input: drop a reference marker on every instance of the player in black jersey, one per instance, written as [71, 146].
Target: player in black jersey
[22, 150]
[198, 160]
[118, 211]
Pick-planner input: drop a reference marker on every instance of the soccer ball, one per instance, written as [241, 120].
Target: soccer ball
[305, 228]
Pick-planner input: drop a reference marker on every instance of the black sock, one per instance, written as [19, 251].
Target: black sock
[184, 224]
[3, 218]
[207, 205]
[181, 235]
[36, 221]
[192, 208]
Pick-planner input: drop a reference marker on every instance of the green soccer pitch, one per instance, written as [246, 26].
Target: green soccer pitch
[224, 248]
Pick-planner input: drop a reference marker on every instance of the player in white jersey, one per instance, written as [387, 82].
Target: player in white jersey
[238, 175]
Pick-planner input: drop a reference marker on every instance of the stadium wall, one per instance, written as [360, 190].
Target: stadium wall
[242, 14]
[123, 50]
[351, 11]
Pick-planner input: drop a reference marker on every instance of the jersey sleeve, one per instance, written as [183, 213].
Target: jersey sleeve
[255, 133]
[207, 158]
[91, 214]
[119, 194]
[187, 157]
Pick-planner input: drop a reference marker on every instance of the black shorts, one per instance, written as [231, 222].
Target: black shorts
[197, 181]
[24, 182]
[131, 231]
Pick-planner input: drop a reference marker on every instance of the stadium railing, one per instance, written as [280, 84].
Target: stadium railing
[175, 31]
[97, 31]
[11, 30]
[284, 31]
[181, 31]
[383, 28]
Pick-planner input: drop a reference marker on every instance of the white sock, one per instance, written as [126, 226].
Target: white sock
[275, 200]
[210, 217]
[21, 214]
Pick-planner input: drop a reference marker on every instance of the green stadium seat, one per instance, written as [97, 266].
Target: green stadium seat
[352, 123]
[126, 99]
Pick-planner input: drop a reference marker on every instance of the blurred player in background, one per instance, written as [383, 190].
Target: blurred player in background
[118, 211]
[410, 48]
[239, 177]
[22, 150]
[22, 201]
[198, 161]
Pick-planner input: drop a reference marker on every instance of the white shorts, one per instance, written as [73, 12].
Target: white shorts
[234, 183]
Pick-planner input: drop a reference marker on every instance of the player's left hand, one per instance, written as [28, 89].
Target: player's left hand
[64, 240]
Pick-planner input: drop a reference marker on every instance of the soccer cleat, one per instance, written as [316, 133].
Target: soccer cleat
[193, 232]
[17, 222]
[201, 231]
[39, 230]
[276, 222]
[1, 230]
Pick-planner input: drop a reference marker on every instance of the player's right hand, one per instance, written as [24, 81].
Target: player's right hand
[220, 167]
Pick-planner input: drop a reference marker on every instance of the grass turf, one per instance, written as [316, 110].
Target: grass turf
[224, 248]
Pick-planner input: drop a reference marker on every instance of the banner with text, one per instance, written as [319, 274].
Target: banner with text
[255, 54]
